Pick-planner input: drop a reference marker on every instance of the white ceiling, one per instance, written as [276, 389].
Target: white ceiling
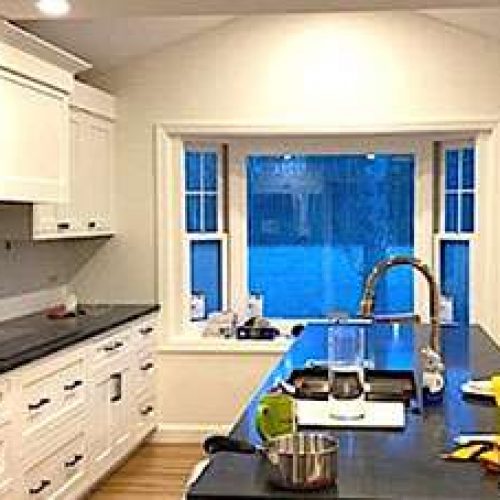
[485, 22]
[25, 9]
[111, 42]
[110, 32]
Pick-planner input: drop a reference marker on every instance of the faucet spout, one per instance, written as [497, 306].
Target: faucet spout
[367, 304]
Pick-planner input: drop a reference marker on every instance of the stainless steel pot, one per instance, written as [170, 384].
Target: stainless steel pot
[299, 461]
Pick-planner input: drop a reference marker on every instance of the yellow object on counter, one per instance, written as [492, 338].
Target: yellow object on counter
[465, 453]
[495, 383]
[491, 459]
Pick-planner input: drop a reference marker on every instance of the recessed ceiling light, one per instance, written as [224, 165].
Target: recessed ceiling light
[53, 8]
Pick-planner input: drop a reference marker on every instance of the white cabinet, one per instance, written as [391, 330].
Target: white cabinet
[34, 142]
[89, 210]
[68, 419]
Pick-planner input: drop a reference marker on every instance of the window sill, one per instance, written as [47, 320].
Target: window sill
[192, 344]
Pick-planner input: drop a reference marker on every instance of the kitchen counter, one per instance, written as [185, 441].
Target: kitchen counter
[28, 338]
[381, 464]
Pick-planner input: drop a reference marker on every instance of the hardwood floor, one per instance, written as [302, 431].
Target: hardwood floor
[153, 472]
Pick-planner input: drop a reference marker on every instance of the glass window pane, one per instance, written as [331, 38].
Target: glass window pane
[468, 168]
[468, 213]
[318, 223]
[193, 213]
[206, 275]
[451, 169]
[193, 171]
[210, 171]
[455, 277]
[210, 213]
[451, 213]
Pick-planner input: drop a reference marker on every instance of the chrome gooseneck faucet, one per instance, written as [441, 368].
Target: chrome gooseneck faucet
[432, 362]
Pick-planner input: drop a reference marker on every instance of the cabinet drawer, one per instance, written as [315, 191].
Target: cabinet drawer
[145, 372]
[40, 400]
[111, 348]
[57, 472]
[145, 413]
[72, 384]
[144, 334]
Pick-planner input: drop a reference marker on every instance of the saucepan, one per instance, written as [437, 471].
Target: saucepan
[299, 461]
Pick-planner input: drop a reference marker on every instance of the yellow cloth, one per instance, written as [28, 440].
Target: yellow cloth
[495, 383]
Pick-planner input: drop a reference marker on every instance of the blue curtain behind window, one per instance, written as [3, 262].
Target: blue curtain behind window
[318, 223]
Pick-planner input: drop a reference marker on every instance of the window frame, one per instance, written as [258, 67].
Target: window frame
[220, 235]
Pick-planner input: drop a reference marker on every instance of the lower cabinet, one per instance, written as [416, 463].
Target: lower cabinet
[68, 419]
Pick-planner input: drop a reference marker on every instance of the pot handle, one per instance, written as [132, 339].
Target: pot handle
[214, 444]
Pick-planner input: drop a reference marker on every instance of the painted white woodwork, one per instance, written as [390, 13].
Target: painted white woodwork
[89, 209]
[68, 418]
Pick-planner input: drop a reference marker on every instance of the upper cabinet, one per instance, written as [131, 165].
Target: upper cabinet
[89, 209]
[36, 80]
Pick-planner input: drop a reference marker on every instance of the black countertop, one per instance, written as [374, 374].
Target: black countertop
[32, 337]
[381, 464]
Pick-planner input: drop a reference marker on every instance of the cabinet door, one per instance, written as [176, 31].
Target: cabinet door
[98, 158]
[100, 418]
[34, 141]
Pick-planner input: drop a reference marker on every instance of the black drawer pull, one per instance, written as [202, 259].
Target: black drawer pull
[147, 367]
[116, 378]
[37, 406]
[74, 385]
[92, 224]
[43, 484]
[73, 462]
[147, 410]
[61, 226]
[146, 331]
[114, 347]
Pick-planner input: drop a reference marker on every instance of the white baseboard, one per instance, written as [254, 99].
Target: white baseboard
[187, 433]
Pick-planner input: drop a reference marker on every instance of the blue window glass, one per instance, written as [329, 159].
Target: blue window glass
[193, 213]
[451, 213]
[454, 257]
[201, 186]
[193, 171]
[468, 180]
[210, 171]
[206, 276]
[451, 168]
[467, 213]
[210, 212]
[318, 223]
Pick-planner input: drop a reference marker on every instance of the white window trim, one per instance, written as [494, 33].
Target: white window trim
[444, 236]
[169, 156]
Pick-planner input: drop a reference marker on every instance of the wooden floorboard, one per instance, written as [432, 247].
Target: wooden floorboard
[153, 472]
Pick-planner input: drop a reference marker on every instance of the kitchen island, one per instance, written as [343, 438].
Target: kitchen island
[381, 464]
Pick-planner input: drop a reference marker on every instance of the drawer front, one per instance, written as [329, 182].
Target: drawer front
[40, 400]
[145, 413]
[110, 349]
[144, 333]
[6, 452]
[72, 384]
[57, 472]
[145, 372]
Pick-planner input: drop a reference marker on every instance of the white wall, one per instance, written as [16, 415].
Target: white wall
[341, 70]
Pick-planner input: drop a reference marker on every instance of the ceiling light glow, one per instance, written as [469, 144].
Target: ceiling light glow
[53, 8]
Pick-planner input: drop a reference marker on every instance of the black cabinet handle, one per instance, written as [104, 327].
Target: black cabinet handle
[116, 378]
[73, 462]
[61, 226]
[147, 410]
[43, 484]
[73, 386]
[92, 224]
[111, 348]
[147, 366]
[146, 331]
[37, 406]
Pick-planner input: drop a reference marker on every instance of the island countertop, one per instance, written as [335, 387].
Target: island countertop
[381, 464]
